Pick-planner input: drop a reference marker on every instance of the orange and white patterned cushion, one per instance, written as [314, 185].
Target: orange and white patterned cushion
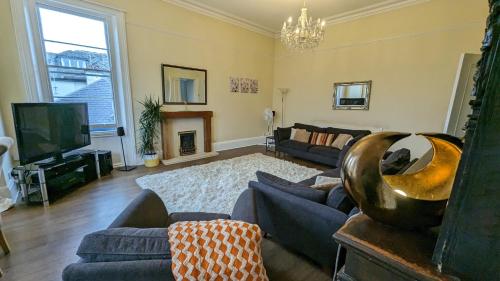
[216, 250]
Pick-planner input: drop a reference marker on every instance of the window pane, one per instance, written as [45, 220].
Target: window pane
[69, 28]
[78, 64]
[58, 54]
[96, 91]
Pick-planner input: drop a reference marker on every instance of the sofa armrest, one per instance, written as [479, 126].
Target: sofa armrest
[144, 270]
[145, 211]
[245, 209]
[299, 224]
[196, 216]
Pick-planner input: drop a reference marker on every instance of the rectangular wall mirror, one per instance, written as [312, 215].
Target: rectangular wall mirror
[183, 85]
[352, 95]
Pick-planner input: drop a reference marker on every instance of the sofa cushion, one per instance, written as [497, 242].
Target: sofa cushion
[302, 146]
[341, 140]
[314, 138]
[395, 162]
[321, 140]
[296, 189]
[284, 133]
[338, 199]
[329, 139]
[300, 135]
[196, 216]
[125, 244]
[325, 150]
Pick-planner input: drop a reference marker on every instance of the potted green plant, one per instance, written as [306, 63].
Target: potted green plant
[149, 125]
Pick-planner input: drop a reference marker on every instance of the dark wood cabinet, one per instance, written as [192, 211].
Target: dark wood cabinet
[375, 251]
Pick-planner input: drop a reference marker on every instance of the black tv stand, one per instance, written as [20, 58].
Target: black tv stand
[57, 160]
[55, 176]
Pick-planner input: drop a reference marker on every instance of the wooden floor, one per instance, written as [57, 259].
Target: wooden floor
[44, 240]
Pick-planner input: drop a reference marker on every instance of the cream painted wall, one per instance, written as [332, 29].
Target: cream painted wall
[11, 84]
[411, 54]
[158, 33]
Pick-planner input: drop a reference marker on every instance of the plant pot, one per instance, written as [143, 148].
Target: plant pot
[151, 160]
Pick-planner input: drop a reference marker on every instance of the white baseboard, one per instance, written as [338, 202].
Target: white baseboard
[218, 146]
[188, 158]
[237, 143]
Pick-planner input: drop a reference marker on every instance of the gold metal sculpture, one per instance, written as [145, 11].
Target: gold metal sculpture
[408, 200]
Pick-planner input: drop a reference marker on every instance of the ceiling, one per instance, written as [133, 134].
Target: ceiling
[268, 15]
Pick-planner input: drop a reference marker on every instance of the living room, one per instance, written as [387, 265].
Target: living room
[233, 99]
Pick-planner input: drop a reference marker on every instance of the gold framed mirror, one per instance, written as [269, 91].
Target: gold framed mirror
[352, 95]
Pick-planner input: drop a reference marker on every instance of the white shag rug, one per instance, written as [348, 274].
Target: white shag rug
[215, 187]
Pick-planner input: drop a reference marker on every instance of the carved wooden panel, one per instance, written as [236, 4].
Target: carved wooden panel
[469, 241]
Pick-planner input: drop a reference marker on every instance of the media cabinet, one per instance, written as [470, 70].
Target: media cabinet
[52, 179]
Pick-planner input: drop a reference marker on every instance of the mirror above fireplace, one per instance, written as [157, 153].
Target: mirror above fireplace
[183, 85]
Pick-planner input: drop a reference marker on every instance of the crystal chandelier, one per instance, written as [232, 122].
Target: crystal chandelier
[306, 34]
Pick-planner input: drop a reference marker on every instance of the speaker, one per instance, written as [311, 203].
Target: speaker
[105, 162]
[120, 131]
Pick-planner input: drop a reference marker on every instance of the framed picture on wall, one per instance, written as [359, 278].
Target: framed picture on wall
[254, 86]
[234, 84]
[244, 85]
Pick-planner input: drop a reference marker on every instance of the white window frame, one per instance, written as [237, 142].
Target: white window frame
[33, 63]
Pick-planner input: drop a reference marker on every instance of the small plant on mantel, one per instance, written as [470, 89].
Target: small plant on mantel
[149, 125]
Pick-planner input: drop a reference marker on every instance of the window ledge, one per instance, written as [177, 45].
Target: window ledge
[103, 134]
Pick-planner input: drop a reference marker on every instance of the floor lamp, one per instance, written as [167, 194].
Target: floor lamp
[121, 132]
[283, 92]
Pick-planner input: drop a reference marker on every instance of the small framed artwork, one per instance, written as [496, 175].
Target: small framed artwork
[254, 86]
[234, 84]
[245, 85]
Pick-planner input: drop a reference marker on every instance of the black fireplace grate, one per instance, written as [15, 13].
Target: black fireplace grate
[187, 143]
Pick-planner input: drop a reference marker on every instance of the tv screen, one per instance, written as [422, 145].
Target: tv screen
[45, 130]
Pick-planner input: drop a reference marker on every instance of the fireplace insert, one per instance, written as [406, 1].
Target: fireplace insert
[187, 144]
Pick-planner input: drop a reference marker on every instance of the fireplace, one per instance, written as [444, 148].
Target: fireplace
[187, 143]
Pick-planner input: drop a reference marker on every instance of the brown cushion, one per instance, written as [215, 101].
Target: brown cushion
[321, 140]
[300, 135]
[314, 138]
[341, 141]
[329, 139]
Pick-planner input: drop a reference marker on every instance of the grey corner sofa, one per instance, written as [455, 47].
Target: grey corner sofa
[135, 246]
[317, 153]
[297, 217]
[304, 219]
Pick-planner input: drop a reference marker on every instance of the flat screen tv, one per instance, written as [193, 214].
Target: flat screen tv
[46, 130]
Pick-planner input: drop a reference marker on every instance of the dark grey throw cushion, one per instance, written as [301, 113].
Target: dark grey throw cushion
[284, 133]
[338, 199]
[125, 244]
[296, 189]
